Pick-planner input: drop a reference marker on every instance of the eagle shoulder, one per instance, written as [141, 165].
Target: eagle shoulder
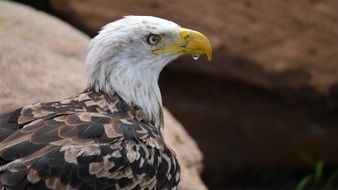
[85, 142]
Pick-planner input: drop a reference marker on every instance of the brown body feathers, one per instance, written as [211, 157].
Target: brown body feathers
[91, 141]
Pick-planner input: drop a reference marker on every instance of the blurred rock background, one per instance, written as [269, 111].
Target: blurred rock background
[270, 93]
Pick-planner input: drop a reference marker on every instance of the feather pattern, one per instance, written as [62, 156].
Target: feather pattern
[90, 141]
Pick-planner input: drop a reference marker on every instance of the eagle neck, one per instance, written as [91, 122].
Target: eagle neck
[137, 88]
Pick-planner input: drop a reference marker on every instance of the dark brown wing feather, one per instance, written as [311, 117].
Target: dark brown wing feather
[80, 143]
[9, 123]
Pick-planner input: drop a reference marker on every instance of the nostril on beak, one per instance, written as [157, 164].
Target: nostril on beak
[186, 37]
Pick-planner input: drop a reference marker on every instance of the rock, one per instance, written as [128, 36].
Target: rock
[38, 59]
[43, 61]
[186, 151]
[279, 44]
[271, 91]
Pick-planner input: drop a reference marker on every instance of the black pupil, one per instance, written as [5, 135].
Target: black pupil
[153, 39]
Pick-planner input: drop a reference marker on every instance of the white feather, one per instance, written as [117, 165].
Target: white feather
[119, 60]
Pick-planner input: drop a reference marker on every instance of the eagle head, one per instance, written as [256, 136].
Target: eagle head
[127, 56]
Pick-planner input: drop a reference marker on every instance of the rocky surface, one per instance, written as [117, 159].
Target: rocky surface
[270, 44]
[43, 61]
[38, 59]
[272, 88]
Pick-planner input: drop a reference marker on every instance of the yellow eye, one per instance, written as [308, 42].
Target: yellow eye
[153, 39]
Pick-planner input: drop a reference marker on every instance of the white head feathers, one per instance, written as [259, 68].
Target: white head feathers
[121, 60]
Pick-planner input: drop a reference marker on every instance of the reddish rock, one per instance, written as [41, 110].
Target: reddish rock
[280, 44]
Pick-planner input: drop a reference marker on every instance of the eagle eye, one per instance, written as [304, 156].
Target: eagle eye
[153, 39]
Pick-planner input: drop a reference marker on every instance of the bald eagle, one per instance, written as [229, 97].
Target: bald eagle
[108, 136]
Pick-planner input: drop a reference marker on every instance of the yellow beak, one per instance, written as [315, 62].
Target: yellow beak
[190, 42]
